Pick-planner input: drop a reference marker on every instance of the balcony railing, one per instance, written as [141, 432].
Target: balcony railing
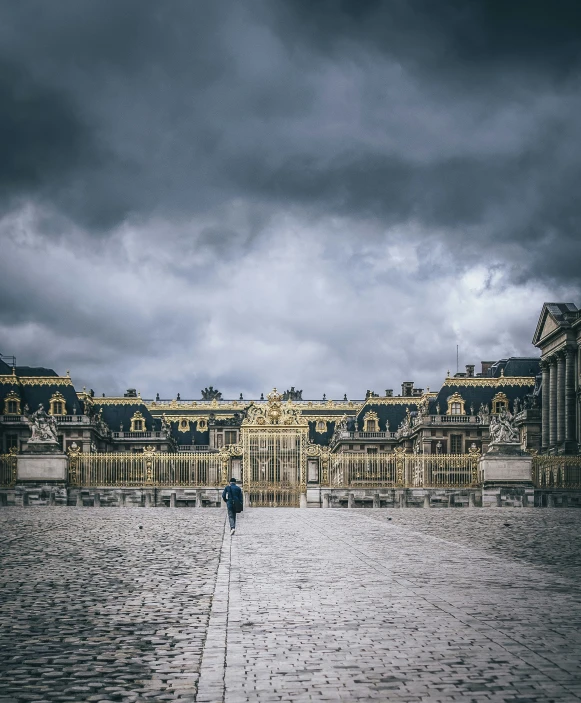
[454, 419]
[147, 434]
[194, 448]
[82, 419]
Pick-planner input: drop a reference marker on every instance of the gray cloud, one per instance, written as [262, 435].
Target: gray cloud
[237, 191]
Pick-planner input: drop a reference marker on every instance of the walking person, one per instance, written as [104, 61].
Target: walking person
[232, 496]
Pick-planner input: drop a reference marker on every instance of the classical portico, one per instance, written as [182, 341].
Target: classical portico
[558, 336]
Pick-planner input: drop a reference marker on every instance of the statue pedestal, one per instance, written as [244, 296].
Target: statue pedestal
[506, 473]
[42, 462]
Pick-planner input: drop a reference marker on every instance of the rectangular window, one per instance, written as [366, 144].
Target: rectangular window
[230, 437]
[371, 450]
[11, 441]
[456, 444]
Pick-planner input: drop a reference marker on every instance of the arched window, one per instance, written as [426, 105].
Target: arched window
[499, 403]
[371, 422]
[12, 404]
[57, 404]
[137, 422]
[455, 404]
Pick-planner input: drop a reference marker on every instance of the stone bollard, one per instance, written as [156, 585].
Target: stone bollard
[97, 500]
[172, 499]
[148, 500]
[199, 500]
[376, 501]
[471, 500]
[427, 501]
[51, 498]
[123, 500]
[402, 500]
[451, 500]
[303, 501]
[246, 499]
[325, 500]
[564, 501]
[498, 500]
[351, 501]
[550, 500]
[79, 502]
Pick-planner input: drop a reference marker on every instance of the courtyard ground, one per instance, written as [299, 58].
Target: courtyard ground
[116, 604]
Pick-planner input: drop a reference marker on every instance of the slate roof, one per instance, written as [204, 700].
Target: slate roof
[114, 415]
[475, 395]
[34, 371]
[34, 394]
[515, 366]
[393, 413]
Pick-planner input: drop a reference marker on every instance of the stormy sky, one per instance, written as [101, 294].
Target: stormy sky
[325, 194]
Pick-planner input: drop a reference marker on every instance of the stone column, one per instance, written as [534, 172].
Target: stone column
[325, 500]
[471, 500]
[97, 500]
[351, 500]
[172, 499]
[545, 405]
[569, 395]
[376, 502]
[560, 398]
[79, 501]
[552, 401]
[427, 500]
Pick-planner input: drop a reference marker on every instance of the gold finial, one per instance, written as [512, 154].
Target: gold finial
[501, 373]
[14, 370]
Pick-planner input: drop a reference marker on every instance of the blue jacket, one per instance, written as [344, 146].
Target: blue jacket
[231, 491]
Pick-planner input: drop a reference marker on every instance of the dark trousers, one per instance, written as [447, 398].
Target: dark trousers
[232, 517]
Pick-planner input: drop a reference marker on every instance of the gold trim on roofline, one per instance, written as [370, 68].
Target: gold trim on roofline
[491, 382]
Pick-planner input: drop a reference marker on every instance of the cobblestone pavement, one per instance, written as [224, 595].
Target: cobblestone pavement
[346, 605]
[432, 605]
[105, 604]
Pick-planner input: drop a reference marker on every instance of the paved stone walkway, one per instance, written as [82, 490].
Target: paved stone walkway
[440, 605]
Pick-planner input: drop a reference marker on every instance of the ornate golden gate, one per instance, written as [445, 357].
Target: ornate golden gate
[274, 438]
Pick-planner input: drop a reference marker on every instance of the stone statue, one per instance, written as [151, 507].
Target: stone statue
[43, 427]
[211, 393]
[483, 413]
[503, 430]
[292, 394]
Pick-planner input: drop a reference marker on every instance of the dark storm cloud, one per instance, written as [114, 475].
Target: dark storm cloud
[118, 110]
[159, 157]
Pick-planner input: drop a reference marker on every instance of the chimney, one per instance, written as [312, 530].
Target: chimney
[407, 388]
[470, 370]
[389, 392]
[417, 391]
[486, 367]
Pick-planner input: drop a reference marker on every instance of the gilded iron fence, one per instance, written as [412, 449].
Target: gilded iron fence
[397, 469]
[557, 471]
[273, 495]
[8, 470]
[147, 469]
